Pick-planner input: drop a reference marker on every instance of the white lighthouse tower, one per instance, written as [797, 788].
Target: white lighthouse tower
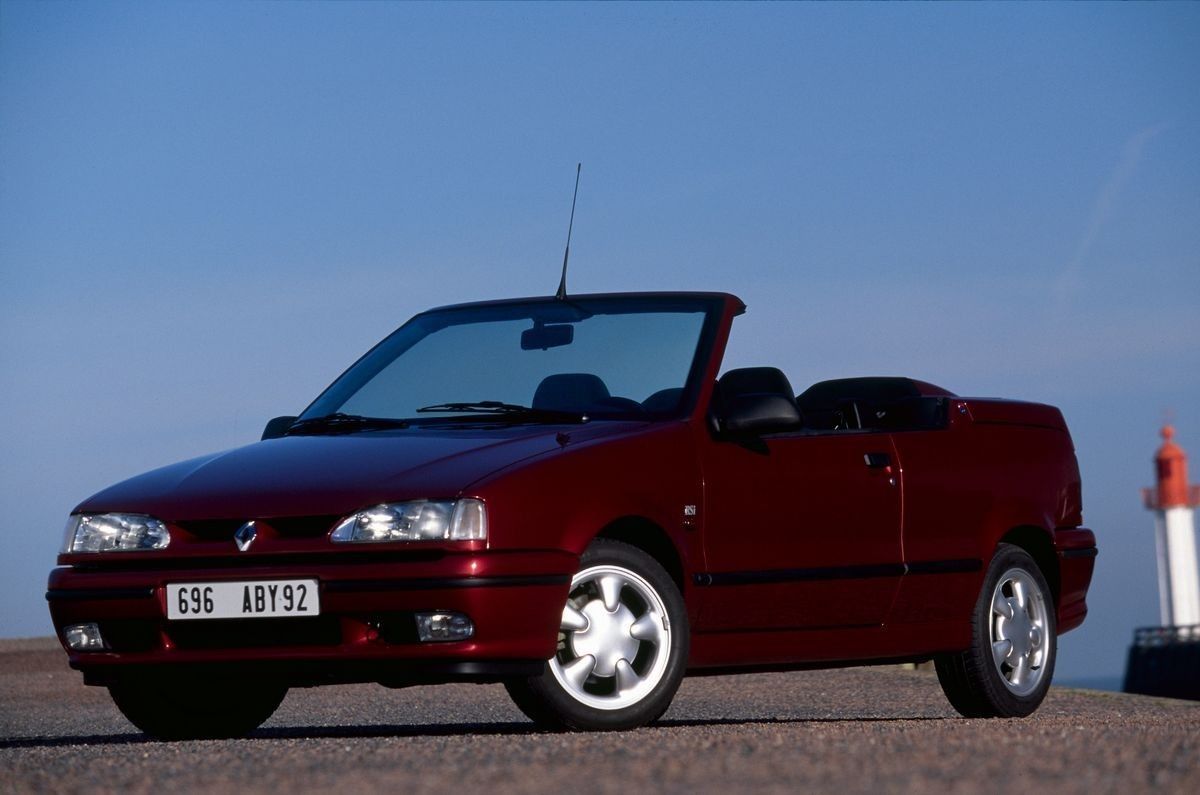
[1173, 501]
[1165, 660]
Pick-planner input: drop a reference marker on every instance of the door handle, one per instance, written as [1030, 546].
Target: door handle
[877, 460]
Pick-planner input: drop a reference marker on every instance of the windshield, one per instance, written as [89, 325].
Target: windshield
[636, 357]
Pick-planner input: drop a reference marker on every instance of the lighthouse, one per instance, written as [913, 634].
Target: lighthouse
[1173, 502]
[1165, 660]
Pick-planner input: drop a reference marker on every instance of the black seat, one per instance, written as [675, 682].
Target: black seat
[755, 381]
[570, 392]
[745, 382]
[663, 400]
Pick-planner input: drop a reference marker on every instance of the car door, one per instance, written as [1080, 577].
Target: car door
[951, 489]
[800, 531]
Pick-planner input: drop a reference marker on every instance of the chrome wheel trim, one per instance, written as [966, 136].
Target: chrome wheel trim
[614, 640]
[1019, 632]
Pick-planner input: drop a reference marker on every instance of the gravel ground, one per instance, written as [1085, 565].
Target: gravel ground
[854, 730]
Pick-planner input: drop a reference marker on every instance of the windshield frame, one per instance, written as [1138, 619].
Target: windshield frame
[711, 305]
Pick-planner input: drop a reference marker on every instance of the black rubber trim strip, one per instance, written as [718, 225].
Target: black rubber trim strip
[440, 583]
[1087, 552]
[796, 575]
[960, 566]
[771, 576]
[73, 594]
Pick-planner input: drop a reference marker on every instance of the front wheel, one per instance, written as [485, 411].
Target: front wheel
[622, 646]
[184, 709]
[1007, 670]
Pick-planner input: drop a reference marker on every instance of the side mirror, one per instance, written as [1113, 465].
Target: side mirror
[760, 413]
[277, 427]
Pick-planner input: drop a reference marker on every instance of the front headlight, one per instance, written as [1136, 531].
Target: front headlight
[114, 532]
[419, 520]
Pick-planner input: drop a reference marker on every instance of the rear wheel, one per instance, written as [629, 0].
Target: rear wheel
[622, 646]
[183, 709]
[1007, 670]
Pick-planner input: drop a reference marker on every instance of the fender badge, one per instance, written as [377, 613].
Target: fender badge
[245, 536]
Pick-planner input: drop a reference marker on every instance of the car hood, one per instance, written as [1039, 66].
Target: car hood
[327, 475]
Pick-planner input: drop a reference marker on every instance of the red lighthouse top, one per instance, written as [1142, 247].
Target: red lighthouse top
[1171, 464]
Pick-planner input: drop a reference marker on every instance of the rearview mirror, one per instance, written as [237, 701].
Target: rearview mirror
[540, 338]
[277, 427]
[760, 413]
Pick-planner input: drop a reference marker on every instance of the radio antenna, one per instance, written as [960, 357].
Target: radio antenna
[562, 283]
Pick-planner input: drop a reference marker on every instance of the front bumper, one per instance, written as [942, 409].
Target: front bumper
[365, 631]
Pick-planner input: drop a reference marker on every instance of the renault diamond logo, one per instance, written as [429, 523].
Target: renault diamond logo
[245, 536]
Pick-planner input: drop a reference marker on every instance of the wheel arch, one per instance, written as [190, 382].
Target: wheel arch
[651, 538]
[1040, 546]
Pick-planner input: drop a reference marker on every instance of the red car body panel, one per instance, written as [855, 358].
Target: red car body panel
[802, 548]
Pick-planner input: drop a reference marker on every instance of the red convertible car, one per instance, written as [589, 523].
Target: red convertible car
[563, 496]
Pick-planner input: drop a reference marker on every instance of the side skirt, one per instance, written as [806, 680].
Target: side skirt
[825, 648]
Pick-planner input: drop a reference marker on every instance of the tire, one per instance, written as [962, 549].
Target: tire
[622, 646]
[183, 709]
[1014, 643]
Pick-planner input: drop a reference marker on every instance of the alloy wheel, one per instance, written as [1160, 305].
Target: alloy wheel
[1020, 639]
[614, 640]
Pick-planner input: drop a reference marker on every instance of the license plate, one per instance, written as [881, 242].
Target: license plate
[257, 599]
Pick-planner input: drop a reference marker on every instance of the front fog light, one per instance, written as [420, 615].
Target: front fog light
[84, 637]
[444, 626]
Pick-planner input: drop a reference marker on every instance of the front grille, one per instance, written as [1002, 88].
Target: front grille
[213, 529]
[286, 527]
[303, 526]
[256, 633]
[235, 560]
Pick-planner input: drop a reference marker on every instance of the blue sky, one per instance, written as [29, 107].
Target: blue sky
[207, 211]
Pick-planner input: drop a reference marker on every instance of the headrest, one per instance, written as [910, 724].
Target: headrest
[663, 400]
[569, 392]
[755, 380]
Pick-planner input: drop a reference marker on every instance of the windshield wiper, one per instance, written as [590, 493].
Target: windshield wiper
[496, 408]
[343, 423]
